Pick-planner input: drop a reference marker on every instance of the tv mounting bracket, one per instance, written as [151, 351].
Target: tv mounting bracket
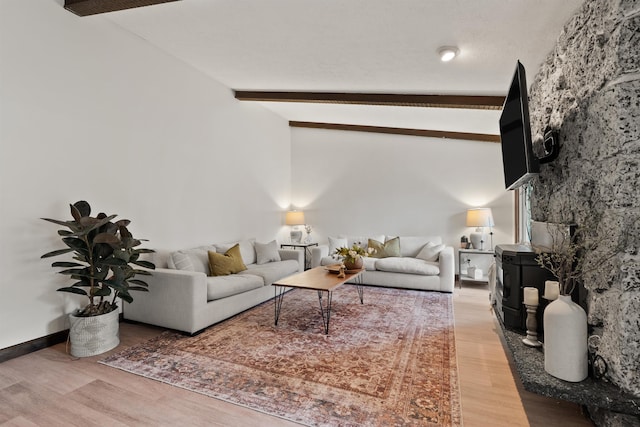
[551, 147]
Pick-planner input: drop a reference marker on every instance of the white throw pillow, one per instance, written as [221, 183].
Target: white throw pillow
[430, 252]
[267, 252]
[335, 243]
[180, 261]
[194, 259]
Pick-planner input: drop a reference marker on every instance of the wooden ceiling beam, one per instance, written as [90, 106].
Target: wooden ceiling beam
[399, 131]
[390, 99]
[93, 7]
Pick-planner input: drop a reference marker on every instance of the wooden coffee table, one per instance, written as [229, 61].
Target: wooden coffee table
[321, 280]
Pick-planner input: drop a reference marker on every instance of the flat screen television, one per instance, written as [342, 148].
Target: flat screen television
[518, 160]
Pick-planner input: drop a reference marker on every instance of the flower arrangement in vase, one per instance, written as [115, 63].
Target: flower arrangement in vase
[352, 257]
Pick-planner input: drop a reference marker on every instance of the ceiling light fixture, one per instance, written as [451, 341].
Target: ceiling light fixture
[447, 53]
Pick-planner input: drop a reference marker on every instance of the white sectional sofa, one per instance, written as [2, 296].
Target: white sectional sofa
[410, 270]
[182, 295]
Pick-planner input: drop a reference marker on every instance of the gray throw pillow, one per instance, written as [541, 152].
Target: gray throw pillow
[267, 252]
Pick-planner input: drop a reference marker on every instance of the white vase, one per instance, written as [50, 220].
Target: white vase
[94, 335]
[565, 340]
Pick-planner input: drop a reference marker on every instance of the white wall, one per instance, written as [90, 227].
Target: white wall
[365, 183]
[88, 111]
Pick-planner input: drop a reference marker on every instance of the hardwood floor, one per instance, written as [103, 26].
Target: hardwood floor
[492, 394]
[50, 388]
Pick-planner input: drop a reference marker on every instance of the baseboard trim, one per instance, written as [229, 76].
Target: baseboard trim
[33, 345]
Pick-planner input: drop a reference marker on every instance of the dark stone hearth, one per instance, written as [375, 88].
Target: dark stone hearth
[529, 363]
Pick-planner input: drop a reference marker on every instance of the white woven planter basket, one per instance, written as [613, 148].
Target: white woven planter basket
[94, 335]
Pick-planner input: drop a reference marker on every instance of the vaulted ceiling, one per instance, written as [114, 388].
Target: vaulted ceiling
[282, 52]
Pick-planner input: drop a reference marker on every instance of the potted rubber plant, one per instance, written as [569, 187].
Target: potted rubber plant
[104, 269]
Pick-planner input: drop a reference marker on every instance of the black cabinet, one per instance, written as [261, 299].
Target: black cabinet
[517, 268]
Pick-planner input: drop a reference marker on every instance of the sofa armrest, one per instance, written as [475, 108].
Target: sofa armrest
[294, 254]
[173, 301]
[447, 263]
[317, 253]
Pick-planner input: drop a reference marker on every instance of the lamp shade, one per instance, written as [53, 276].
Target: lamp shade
[479, 217]
[294, 218]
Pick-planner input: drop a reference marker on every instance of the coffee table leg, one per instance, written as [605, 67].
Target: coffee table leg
[278, 301]
[327, 310]
[360, 288]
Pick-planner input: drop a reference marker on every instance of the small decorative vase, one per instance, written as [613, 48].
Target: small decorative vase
[94, 335]
[565, 340]
[353, 264]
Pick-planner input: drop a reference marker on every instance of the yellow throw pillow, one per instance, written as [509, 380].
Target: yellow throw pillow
[383, 250]
[228, 263]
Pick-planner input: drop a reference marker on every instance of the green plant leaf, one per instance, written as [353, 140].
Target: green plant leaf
[73, 290]
[101, 292]
[90, 223]
[81, 283]
[145, 251]
[107, 238]
[114, 261]
[145, 264]
[75, 212]
[66, 264]
[114, 283]
[123, 223]
[142, 273]
[84, 209]
[138, 282]
[101, 273]
[75, 243]
[75, 271]
[56, 253]
[69, 224]
[126, 297]
[138, 288]
[65, 233]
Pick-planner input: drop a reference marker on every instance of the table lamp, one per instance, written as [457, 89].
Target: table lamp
[480, 218]
[295, 218]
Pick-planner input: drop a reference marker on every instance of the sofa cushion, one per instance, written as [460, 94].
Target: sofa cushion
[195, 259]
[224, 286]
[390, 248]
[272, 271]
[430, 252]
[267, 252]
[411, 245]
[247, 249]
[228, 263]
[408, 265]
[369, 263]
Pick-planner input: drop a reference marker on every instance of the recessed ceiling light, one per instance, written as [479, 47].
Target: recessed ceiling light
[447, 53]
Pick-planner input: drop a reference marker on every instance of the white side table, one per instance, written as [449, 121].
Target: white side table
[473, 254]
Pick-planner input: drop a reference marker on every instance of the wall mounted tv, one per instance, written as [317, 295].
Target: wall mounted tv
[519, 163]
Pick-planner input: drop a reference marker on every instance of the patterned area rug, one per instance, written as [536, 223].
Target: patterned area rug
[388, 362]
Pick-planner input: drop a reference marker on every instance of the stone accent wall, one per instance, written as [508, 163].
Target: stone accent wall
[589, 90]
